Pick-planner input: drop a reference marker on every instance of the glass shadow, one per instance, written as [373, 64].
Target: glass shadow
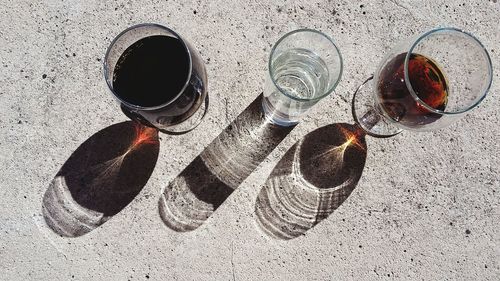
[314, 177]
[194, 195]
[100, 178]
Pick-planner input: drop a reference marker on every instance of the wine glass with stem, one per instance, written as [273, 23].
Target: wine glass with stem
[425, 83]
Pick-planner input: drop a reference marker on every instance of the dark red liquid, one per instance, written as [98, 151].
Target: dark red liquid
[427, 81]
[152, 71]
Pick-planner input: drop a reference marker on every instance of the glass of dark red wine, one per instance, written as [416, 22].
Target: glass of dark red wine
[424, 83]
[158, 78]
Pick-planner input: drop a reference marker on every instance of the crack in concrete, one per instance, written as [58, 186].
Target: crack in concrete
[232, 261]
[404, 7]
[227, 111]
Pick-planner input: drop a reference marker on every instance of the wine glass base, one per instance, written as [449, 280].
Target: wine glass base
[191, 123]
[367, 116]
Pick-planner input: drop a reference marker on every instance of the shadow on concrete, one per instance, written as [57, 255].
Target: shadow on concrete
[194, 195]
[313, 178]
[100, 178]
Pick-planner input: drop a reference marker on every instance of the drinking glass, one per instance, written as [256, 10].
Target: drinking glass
[187, 107]
[424, 83]
[305, 66]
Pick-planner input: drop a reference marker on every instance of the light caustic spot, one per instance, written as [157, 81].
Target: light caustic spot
[337, 151]
[144, 135]
[352, 138]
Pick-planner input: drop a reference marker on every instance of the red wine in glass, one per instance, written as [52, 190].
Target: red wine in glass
[152, 71]
[428, 83]
[425, 82]
[158, 78]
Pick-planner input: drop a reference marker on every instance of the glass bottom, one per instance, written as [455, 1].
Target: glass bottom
[367, 116]
[189, 124]
[276, 117]
[177, 129]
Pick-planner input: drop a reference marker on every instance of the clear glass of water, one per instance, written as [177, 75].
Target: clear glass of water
[305, 66]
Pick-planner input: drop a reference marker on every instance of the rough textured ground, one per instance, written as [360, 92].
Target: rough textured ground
[427, 206]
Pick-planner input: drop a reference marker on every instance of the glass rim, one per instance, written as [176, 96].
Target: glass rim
[313, 31]
[408, 83]
[106, 67]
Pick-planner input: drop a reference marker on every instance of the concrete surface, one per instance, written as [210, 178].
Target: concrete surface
[427, 205]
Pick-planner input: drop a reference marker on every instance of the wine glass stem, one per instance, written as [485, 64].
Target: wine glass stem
[371, 118]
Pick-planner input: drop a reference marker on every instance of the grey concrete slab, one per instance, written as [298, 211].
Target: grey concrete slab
[426, 207]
